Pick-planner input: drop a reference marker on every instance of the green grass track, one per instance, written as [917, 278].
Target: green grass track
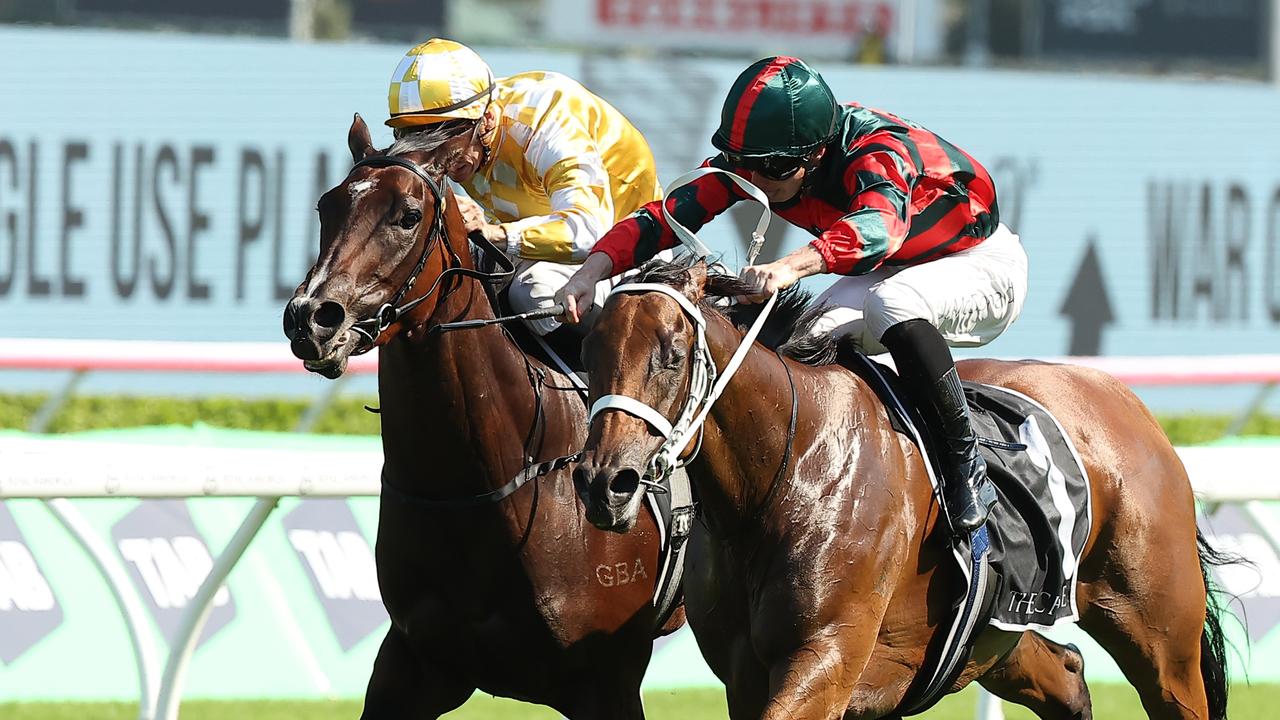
[1112, 702]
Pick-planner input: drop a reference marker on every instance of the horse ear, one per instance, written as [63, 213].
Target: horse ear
[696, 288]
[358, 140]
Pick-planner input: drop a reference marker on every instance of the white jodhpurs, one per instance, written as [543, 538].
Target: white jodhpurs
[970, 296]
[536, 283]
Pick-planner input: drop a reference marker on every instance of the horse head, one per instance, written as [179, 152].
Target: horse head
[385, 234]
[642, 349]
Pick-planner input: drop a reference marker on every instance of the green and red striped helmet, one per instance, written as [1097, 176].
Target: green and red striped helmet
[778, 106]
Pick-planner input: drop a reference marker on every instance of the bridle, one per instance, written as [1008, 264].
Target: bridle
[371, 328]
[706, 384]
[702, 376]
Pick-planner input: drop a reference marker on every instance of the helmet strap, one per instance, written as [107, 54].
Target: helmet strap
[811, 163]
[484, 114]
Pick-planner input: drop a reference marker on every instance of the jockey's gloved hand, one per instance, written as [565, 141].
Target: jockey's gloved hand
[578, 295]
[767, 279]
[473, 216]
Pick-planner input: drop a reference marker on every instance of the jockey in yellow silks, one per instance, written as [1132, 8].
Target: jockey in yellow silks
[549, 167]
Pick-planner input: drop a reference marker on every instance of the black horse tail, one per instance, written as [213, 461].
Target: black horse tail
[1213, 645]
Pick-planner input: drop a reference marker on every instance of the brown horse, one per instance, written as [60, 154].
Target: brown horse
[820, 580]
[515, 595]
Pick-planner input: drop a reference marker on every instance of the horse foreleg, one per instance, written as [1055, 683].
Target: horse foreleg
[815, 682]
[402, 687]
[1043, 676]
[606, 698]
[746, 687]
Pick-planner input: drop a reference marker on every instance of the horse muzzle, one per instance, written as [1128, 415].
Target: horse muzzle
[319, 333]
[611, 494]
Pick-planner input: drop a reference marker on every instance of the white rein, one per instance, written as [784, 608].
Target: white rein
[705, 384]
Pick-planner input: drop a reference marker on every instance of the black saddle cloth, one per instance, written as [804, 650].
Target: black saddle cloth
[1040, 524]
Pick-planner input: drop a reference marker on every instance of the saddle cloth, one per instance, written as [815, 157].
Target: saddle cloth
[1019, 570]
[1040, 524]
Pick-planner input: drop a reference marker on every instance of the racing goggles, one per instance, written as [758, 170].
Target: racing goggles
[773, 167]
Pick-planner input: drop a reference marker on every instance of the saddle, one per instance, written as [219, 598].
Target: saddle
[1020, 569]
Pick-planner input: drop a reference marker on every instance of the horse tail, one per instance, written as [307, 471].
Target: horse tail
[1213, 644]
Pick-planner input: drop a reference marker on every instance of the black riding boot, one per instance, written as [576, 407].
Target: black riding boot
[924, 362]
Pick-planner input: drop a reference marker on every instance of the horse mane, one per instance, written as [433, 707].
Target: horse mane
[789, 328]
[429, 139]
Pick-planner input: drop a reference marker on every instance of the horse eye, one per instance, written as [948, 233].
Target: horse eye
[410, 219]
[671, 355]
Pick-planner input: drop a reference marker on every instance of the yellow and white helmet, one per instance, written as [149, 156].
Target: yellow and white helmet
[436, 81]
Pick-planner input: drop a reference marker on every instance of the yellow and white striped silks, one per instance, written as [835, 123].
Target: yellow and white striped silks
[564, 167]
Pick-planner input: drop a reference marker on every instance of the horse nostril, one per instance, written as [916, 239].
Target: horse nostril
[329, 315]
[290, 319]
[581, 478]
[625, 482]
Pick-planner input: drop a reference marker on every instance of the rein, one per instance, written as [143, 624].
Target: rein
[705, 384]
[370, 329]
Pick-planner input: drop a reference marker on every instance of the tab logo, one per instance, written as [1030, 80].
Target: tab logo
[339, 562]
[167, 559]
[1258, 587]
[29, 611]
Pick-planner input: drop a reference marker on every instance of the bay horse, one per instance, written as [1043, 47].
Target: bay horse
[823, 575]
[513, 594]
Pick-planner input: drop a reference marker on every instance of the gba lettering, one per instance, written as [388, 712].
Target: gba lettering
[620, 573]
[164, 216]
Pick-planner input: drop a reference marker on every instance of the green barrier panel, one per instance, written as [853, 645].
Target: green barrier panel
[301, 618]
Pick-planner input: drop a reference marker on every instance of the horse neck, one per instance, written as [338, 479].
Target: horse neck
[739, 465]
[738, 462]
[460, 403]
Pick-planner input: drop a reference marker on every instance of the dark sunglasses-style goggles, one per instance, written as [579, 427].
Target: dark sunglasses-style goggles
[773, 167]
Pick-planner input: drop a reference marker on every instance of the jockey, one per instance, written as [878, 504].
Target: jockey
[548, 166]
[909, 220]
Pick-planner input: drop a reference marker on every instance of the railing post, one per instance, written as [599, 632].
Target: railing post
[49, 410]
[135, 616]
[321, 403]
[1237, 426]
[197, 611]
[1264, 522]
[989, 707]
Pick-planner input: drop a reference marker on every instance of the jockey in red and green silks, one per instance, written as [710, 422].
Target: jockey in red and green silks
[909, 220]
